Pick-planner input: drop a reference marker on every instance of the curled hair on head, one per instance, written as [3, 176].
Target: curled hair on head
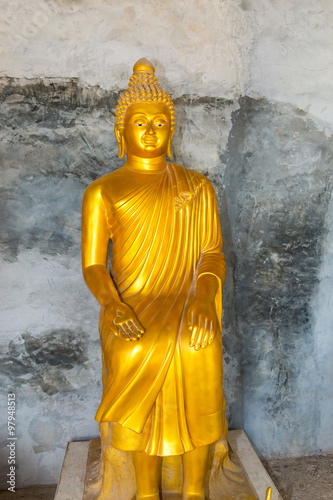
[143, 87]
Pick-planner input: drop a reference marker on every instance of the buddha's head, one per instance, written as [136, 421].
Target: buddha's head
[145, 115]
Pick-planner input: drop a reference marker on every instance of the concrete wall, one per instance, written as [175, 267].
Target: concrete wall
[252, 84]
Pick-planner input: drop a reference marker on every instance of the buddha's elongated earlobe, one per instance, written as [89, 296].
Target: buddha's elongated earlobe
[168, 151]
[120, 140]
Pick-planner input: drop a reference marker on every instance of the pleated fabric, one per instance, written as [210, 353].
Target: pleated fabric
[160, 395]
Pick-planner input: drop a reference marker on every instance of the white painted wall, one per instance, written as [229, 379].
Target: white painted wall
[265, 48]
[291, 57]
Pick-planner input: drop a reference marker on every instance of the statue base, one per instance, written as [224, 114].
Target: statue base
[241, 478]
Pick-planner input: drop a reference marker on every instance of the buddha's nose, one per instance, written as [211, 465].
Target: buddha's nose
[150, 129]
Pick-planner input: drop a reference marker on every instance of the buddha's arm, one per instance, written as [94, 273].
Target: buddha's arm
[206, 289]
[99, 282]
[207, 306]
[119, 317]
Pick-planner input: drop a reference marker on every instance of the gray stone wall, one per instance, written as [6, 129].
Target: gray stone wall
[278, 184]
[252, 88]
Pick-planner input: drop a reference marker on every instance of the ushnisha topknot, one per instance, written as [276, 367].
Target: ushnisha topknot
[143, 87]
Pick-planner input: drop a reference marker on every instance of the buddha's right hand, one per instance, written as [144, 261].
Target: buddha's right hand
[123, 321]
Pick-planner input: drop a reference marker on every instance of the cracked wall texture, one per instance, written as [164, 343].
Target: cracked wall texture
[251, 85]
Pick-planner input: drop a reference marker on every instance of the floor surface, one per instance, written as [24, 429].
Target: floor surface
[306, 478]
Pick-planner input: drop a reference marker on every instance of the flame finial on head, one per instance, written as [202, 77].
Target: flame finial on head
[143, 66]
[143, 87]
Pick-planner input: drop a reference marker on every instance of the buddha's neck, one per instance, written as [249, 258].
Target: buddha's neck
[145, 165]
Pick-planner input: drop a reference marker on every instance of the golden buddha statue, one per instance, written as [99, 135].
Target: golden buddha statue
[161, 305]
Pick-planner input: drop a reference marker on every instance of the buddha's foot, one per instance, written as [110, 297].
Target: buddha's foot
[193, 496]
[148, 496]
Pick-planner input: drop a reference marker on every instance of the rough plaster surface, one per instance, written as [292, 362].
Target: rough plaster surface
[41, 38]
[290, 58]
[278, 184]
[224, 48]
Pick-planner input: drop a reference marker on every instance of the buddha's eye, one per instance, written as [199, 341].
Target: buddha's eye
[159, 124]
[140, 122]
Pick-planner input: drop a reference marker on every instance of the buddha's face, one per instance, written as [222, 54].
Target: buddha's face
[147, 129]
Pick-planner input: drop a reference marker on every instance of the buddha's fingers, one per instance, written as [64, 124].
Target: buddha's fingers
[212, 337]
[207, 335]
[190, 318]
[125, 332]
[114, 329]
[203, 326]
[137, 325]
[193, 336]
[134, 329]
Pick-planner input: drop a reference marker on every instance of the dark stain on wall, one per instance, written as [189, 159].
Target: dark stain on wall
[54, 94]
[58, 128]
[56, 137]
[41, 361]
[278, 186]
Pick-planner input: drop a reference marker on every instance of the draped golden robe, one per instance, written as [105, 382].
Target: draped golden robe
[161, 395]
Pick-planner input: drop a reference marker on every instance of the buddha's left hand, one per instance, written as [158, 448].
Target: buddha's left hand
[202, 322]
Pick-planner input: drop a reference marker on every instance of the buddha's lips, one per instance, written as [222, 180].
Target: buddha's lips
[149, 141]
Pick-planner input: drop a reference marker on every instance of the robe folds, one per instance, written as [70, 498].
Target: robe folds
[160, 395]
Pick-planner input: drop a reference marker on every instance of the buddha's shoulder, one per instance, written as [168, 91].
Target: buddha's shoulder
[107, 184]
[190, 174]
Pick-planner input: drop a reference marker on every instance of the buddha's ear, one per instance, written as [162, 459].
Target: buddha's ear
[168, 152]
[120, 140]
